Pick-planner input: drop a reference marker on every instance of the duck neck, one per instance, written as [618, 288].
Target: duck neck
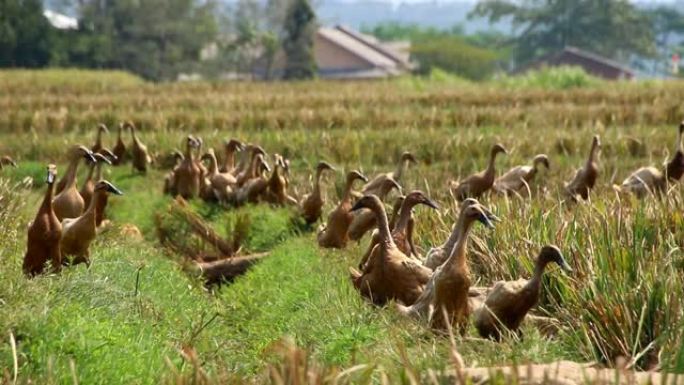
[346, 196]
[449, 244]
[71, 172]
[535, 282]
[213, 165]
[401, 167]
[91, 171]
[229, 162]
[134, 136]
[404, 216]
[47, 200]
[118, 135]
[98, 139]
[383, 226]
[592, 153]
[98, 198]
[492, 164]
[98, 172]
[458, 253]
[317, 183]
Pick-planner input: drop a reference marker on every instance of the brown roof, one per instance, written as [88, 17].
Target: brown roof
[592, 63]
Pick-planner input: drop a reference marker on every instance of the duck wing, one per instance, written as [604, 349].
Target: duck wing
[513, 179]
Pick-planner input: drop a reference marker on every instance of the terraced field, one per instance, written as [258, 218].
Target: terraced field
[136, 316]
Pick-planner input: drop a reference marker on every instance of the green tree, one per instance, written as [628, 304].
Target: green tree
[25, 34]
[613, 28]
[299, 29]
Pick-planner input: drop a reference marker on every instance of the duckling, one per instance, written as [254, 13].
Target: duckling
[7, 161]
[170, 177]
[119, 149]
[311, 206]
[68, 203]
[477, 184]
[229, 149]
[222, 184]
[335, 234]
[139, 154]
[585, 177]
[650, 180]
[447, 292]
[44, 233]
[253, 190]
[187, 175]
[402, 228]
[78, 233]
[95, 170]
[508, 302]
[389, 273]
[277, 184]
[518, 179]
[375, 186]
[438, 254]
[98, 139]
[364, 220]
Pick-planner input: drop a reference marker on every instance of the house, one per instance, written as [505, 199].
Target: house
[342, 53]
[591, 63]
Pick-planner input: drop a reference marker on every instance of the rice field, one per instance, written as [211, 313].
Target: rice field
[136, 317]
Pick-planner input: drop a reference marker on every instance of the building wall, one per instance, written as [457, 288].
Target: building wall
[330, 57]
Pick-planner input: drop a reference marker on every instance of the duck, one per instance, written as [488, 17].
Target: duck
[364, 220]
[402, 225]
[252, 169]
[335, 233]
[311, 206]
[139, 154]
[389, 274]
[170, 177]
[277, 184]
[44, 233]
[448, 290]
[254, 189]
[119, 149]
[94, 175]
[187, 175]
[651, 180]
[585, 177]
[438, 254]
[517, 180]
[98, 139]
[222, 184]
[6, 160]
[477, 184]
[78, 233]
[508, 302]
[68, 203]
[230, 147]
[376, 185]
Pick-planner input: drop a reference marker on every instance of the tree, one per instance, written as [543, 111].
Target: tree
[25, 34]
[298, 39]
[612, 28]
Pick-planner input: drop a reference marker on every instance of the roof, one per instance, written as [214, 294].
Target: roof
[60, 21]
[597, 58]
[356, 47]
[592, 63]
[374, 44]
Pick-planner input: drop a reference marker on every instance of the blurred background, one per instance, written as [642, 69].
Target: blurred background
[170, 40]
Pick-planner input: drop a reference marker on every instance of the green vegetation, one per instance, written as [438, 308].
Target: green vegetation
[137, 317]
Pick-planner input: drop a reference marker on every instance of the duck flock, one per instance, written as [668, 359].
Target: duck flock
[435, 288]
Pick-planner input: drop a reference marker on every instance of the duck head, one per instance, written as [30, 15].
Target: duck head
[105, 152]
[489, 213]
[78, 151]
[388, 185]
[262, 164]
[418, 197]
[102, 128]
[323, 166]
[370, 201]
[476, 212]
[498, 149]
[355, 175]
[541, 159]
[104, 185]
[552, 253]
[51, 174]
[100, 158]
[233, 145]
[408, 157]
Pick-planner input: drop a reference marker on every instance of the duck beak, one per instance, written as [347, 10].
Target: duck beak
[430, 203]
[492, 217]
[106, 160]
[564, 265]
[13, 163]
[357, 206]
[88, 155]
[484, 219]
[112, 189]
[51, 173]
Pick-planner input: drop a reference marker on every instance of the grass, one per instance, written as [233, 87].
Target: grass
[98, 326]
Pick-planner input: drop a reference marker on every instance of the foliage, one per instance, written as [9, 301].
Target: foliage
[25, 34]
[559, 78]
[298, 40]
[613, 28]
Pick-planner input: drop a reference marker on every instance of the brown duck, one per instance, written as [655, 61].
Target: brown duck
[253, 169]
[402, 228]
[78, 233]
[44, 233]
[438, 254]
[517, 180]
[389, 273]
[311, 206]
[650, 180]
[585, 178]
[97, 147]
[477, 184]
[187, 175]
[364, 220]
[254, 189]
[335, 232]
[170, 178]
[508, 302]
[222, 184]
[68, 203]
[276, 192]
[94, 175]
[447, 293]
[140, 157]
[119, 149]
[230, 147]
[7, 161]
[376, 185]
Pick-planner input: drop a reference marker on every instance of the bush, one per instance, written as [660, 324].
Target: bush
[558, 78]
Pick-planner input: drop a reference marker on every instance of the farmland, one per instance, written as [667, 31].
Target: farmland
[136, 317]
